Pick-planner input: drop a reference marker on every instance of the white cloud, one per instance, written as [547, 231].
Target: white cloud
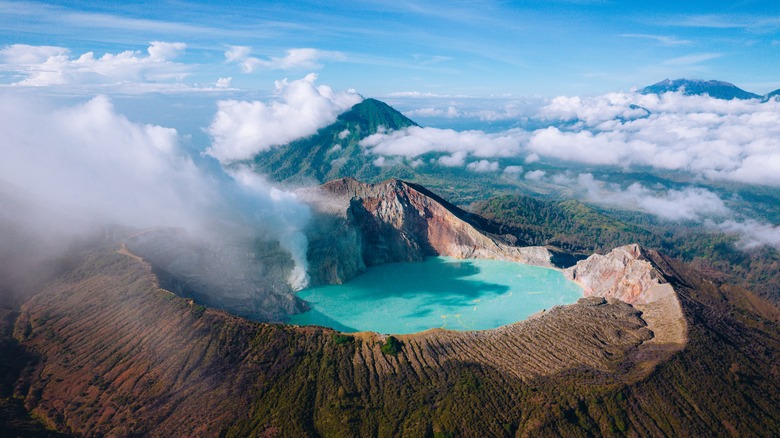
[162, 51]
[688, 60]
[427, 105]
[430, 59]
[450, 112]
[513, 170]
[21, 54]
[482, 166]
[104, 166]
[295, 59]
[737, 140]
[424, 112]
[237, 53]
[416, 94]
[343, 134]
[591, 111]
[224, 82]
[242, 129]
[751, 233]
[535, 175]
[46, 66]
[708, 138]
[457, 159]
[415, 141]
[387, 162]
[338, 162]
[691, 203]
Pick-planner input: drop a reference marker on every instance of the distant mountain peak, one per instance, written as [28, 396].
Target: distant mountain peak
[772, 94]
[372, 113]
[335, 150]
[696, 87]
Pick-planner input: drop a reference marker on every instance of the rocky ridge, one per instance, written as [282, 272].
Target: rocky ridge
[396, 221]
[118, 354]
[630, 274]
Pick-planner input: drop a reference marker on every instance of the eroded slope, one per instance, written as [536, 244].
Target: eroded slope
[118, 354]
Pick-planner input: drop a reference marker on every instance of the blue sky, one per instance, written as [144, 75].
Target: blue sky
[381, 48]
[166, 91]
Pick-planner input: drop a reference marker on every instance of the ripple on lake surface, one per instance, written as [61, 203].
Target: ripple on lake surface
[443, 292]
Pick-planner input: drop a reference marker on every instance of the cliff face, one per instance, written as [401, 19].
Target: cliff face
[395, 221]
[636, 276]
[625, 273]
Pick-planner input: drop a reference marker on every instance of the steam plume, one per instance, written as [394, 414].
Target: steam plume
[92, 165]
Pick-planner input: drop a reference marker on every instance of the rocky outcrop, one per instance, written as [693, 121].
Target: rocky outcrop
[630, 274]
[396, 221]
[624, 273]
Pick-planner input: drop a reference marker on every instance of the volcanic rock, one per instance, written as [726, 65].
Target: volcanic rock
[397, 221]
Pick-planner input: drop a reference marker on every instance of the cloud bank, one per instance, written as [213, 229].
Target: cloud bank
[708, 138]
[690, 203]
[415, 141]
[735, 140]
[41, 66]
[693, 204]
[242, 129]
[752, 234]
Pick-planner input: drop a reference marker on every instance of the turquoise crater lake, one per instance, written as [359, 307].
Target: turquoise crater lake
[440, 292]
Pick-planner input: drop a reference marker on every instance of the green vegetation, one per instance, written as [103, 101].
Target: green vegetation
[581, 229]
[340, 338]
[392, 346]
[569, 225]
[197, 310]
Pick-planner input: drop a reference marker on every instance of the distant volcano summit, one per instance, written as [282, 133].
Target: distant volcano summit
[696, 87]
[334, 151]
